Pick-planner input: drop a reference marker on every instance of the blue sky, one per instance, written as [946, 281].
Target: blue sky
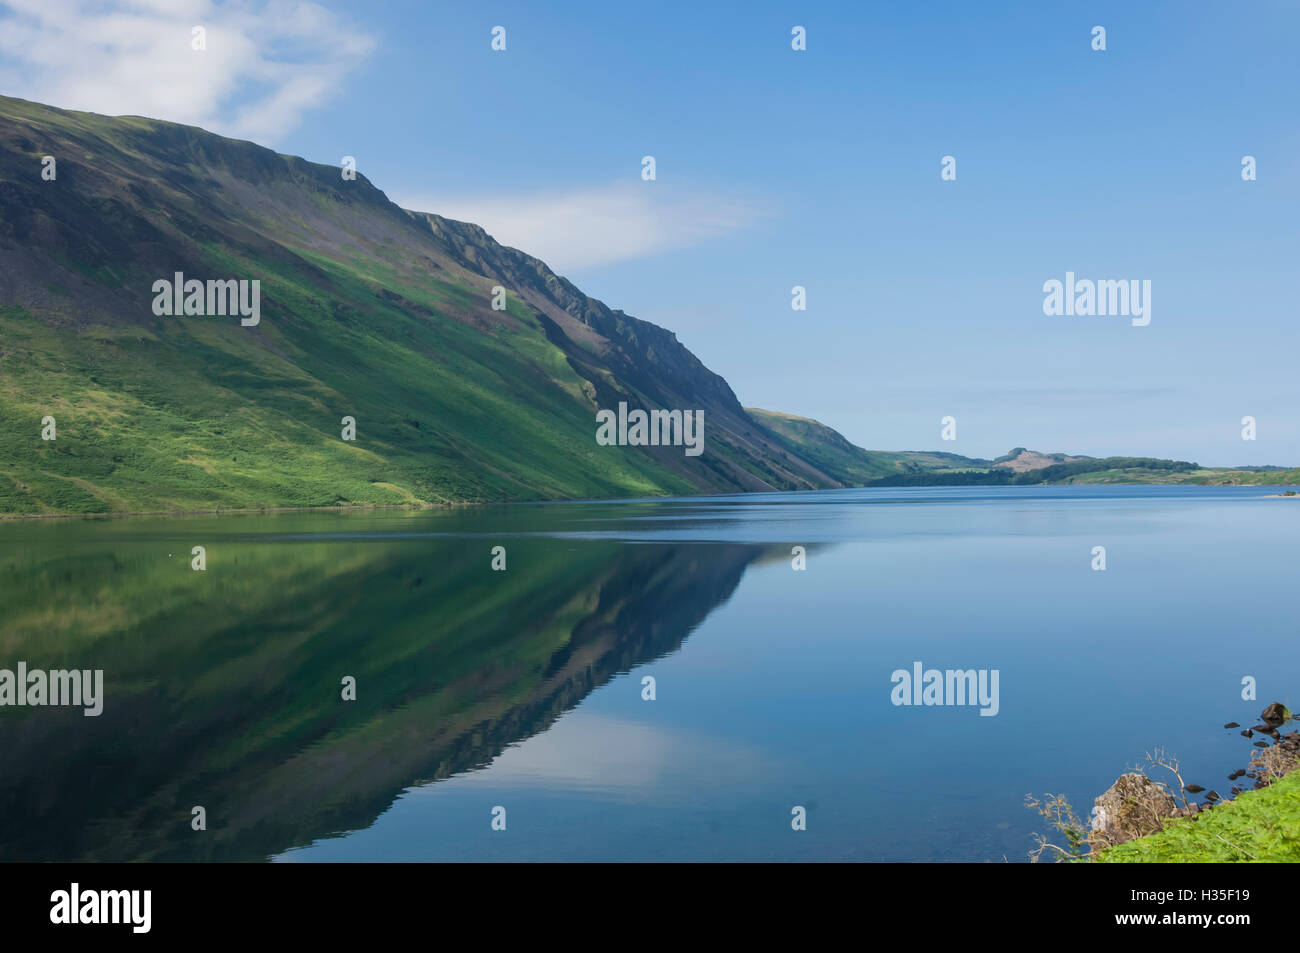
[818, 168]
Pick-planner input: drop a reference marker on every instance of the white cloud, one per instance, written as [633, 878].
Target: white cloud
[619, 758]
[266, 62]
[580, 228]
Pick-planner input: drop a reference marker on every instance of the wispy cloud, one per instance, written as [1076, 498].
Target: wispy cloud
[580, 228]
[266, 62]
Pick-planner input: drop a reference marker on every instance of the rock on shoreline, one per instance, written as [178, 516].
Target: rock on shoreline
[1135, 805]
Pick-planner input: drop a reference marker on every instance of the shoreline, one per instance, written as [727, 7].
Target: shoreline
[1139, 820]
[243, 511]
[348, 507]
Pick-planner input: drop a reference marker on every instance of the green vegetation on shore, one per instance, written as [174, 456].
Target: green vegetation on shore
[1141, 820]
[1260, 826]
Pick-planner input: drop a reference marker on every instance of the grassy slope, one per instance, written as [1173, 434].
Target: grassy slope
[141, 427]
[827, 448]
[849, 463]
[1261, 825]
[365, 313]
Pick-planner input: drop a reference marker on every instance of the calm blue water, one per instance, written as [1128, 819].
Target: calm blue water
[523, 689]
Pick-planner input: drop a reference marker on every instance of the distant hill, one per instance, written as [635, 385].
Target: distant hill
[831, 452]
[1021, 460]
[854, 466]
[1095, 470]
[1018, 467]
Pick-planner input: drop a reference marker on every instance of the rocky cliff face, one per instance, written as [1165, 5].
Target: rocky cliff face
[626, 358]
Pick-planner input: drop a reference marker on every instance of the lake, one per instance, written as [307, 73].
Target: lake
[517, 695]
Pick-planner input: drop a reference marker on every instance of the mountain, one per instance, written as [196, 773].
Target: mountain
[371, 321]
[1020, 460]
[367, 311]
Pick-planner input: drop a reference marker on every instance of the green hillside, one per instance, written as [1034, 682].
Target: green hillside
[850, 464]
[367, 311]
